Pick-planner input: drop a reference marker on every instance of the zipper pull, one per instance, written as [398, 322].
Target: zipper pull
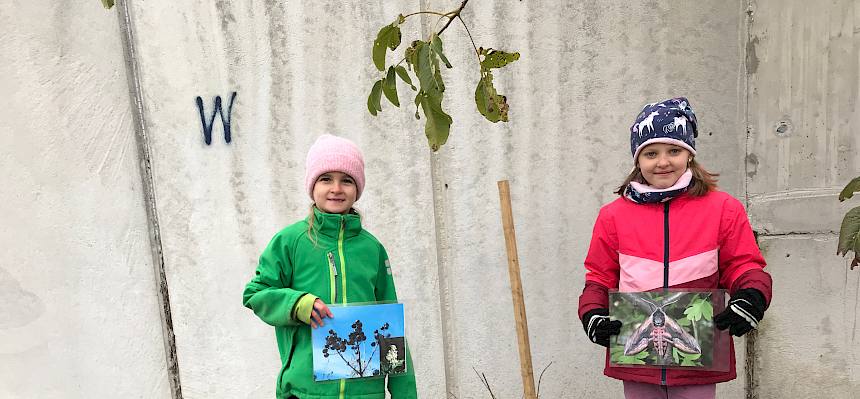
[331, 263]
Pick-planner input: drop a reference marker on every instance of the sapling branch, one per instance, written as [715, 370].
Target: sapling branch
[477, 53]
[456, 14]
[424, 59]
[425, 12]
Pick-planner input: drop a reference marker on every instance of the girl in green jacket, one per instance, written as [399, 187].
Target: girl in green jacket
[326, 258]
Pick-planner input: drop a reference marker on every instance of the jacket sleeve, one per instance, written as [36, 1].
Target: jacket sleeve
[268, 293]
[740, 261]
[401, 386]
[601, 266]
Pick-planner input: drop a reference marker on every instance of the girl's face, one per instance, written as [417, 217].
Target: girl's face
[335, 192]
[663, 164]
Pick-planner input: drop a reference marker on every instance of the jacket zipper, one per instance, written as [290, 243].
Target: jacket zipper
[342, 261]
[333, 274]
[343, 284]
[665, 265]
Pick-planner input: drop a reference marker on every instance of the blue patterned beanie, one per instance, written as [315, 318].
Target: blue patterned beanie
[671, 121]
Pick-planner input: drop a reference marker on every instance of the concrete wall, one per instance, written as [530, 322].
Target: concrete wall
[803, 67]
[775, 102]
[79, 316]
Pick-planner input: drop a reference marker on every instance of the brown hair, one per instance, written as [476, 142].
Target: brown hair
[702, 183]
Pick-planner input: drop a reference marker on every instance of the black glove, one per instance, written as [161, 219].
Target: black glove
[598, 327]
[745, 311]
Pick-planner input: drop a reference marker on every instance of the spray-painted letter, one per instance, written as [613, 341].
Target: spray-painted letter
[225, 119]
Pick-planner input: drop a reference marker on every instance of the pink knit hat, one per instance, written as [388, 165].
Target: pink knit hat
[334, 154]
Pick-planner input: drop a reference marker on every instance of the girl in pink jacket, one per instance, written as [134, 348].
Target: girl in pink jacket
[671, 228]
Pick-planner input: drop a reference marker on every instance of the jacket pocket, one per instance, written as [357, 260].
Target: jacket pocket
[287, 346]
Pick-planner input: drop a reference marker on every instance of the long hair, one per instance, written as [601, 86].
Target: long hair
[702, 183]
[312, 235]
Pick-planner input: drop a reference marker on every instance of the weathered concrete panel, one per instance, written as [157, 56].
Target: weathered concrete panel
[807, 345]
[78, 318]
[585, 72]
[803, 60]
[299, 69]
[815, 210]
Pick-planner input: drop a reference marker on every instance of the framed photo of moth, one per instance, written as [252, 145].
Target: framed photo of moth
[669, 329]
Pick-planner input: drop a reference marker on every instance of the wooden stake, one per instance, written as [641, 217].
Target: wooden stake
[517, 292]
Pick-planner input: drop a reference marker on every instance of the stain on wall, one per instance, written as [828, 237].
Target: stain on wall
[18, 307]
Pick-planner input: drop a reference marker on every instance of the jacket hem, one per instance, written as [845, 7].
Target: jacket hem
[618, 374]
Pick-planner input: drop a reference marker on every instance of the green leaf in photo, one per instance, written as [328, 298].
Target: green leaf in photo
[690, 359]
[699, 309]
[638, 358]
[707, 309]
[694, 313]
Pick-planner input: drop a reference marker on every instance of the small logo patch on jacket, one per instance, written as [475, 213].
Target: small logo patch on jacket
[388, 267]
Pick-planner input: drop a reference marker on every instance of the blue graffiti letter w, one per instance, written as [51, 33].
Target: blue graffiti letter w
[225, 120]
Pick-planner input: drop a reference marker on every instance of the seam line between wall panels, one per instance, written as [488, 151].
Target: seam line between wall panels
[145, 164]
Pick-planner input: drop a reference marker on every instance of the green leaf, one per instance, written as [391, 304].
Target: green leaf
[691, 356]
[620, 358]
[675, 355]
[387, 38]
[849, 233]
[404, 75]
[389, 87]
[707, 309]
[424, 64]
[849, 190]
[689, 359]
[493, 106]
[373, 100]
[436, 46]
[107, 4]
[699, 309]
[684, 322]
[693, 313]
[437, 124]
[437, 76]
[496, 58]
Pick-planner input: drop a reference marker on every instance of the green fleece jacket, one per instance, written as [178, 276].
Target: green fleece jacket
[343, 263]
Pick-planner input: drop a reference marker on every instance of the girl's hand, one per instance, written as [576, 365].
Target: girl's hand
[319, 312]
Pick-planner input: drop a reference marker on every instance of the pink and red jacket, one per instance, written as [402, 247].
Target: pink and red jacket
[689, 242]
